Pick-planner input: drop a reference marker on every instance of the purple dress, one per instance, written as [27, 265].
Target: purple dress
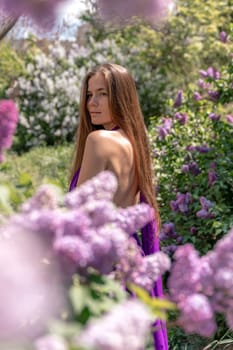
[150, 245]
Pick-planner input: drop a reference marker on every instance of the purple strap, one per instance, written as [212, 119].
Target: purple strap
[150, 245]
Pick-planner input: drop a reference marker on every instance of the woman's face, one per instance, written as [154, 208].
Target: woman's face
[98, 102]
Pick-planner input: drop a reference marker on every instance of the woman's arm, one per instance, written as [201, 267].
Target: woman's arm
[94, 157]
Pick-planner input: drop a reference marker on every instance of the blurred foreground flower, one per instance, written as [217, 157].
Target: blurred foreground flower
[203, 286]
[111, 332]
[121, 11]
[30, 291]
[8, 121]
[41, 11]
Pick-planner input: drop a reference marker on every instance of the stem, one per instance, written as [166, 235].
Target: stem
[5, 28]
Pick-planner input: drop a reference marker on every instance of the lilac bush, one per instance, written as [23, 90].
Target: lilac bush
[192, 161]
[48, 91]
[202, 286]
[8, 122]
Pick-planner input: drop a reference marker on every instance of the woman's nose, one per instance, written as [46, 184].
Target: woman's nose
[93, 100]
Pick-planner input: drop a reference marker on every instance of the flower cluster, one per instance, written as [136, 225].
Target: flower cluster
[120, 12]
[202, 286]
[48, 93]
[42, 12]
[204, 212]
[26, 270]
[89, 231]
[165, 128]
[181, 203]
[111, 333]
[8, 122]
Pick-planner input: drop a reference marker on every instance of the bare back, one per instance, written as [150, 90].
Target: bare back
[111, 150]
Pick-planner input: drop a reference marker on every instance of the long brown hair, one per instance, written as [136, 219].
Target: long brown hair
[127, 114]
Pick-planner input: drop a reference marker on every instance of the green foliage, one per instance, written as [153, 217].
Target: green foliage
[11, 66]
[173, 152]
[94, 297]
[22, 175]
[166, 57]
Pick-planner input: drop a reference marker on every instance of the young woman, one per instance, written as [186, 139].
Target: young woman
[112, 136]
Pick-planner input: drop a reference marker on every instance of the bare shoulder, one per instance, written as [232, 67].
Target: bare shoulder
[98, 135]
[103, 137]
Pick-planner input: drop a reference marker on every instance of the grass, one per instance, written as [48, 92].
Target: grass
[40, 165]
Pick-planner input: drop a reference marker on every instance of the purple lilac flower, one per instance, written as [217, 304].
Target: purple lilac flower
[51, 342]
[110, 333]
[203, 73]
[205, 203]
[213, 73]
[121, 11]
[44, 198]
[214, 95]
[223, 36]
[203, 85]
[204, 212]
[193, 230]
[169, 249]
[129, 262]
[193, 168]
[202, 148]
[133, 218]
[165, 128]
[28, 274]
[197, 315]
[197, 96]
[179, 99]
[181, 203]
[181, 117]
[210, 73]
[185, 168]
[202, 286]
[43, 12]
[152, 267]
[101, 187]
[212, 177]
[214, 117]
[169, 229]
[184, 277]
[229, 118]
[102, 249]
[8, 121]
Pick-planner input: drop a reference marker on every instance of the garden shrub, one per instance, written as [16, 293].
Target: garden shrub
[192, 148]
